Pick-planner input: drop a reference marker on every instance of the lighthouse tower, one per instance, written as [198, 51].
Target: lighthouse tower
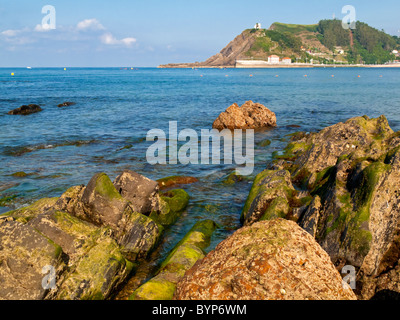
[257, 26]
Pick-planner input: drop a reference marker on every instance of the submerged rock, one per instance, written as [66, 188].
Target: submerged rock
[270, 260]
[174, 181]
[249, 116]
[185, 254]
[25, 110]
[66, 104]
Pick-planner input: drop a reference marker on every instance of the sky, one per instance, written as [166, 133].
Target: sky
[146, 33]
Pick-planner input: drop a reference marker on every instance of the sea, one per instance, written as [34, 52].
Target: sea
[105, 131]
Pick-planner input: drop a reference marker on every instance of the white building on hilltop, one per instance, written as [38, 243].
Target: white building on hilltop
[257, 26]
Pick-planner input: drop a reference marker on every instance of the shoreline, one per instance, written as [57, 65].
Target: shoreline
[292, 66]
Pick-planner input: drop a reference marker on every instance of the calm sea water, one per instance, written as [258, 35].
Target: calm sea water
[105, 131]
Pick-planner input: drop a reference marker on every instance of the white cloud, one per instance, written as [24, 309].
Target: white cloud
[89, 31]
[10, 33]
[109, 39]
[89, 24]
[43, 28]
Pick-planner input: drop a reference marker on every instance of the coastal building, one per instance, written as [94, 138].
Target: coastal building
[286, 60]
[257, 26]
[273, 59]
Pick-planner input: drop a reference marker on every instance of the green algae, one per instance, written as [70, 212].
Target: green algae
[105, 187]
[184, 255]
[27, 213]
[172, 204]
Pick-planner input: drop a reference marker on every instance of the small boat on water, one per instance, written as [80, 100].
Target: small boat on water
[29, 67]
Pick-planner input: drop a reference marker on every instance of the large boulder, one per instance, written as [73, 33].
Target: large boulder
[270, 260]
[25, 110]
[249, 116]
[352, 172]
[24, 253]
[139, 190]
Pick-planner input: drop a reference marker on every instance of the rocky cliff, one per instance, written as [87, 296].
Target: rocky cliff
[227, 57]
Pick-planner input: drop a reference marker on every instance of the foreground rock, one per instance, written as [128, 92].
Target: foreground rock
[25, 110]
[92, 237]
[24, 252]
[271, 260]
[348, 176]
[185, 254]
[249, 116]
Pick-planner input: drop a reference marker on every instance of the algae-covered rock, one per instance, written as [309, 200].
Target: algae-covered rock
[140, 237]
[174, 181]
[103, 204]
[27, 213]
[233, 178]
[20, 174]
[96, 274]
[351, 170]
[24, 253]
[139, 190]
[172, 203]
[269, 260]
[185, 254]
[310, 218]
[73, 235]
[270, 197]
[71, 202]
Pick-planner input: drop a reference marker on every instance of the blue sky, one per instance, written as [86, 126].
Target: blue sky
[151, 32]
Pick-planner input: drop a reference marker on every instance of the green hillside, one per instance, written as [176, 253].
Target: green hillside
[325, 42]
